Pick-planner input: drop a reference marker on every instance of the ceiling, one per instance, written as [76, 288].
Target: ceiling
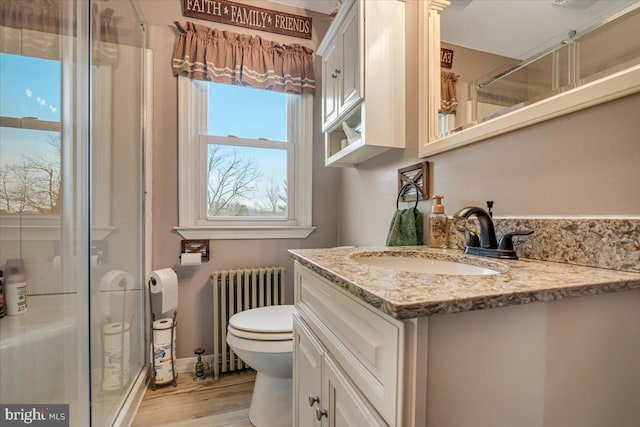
[322, 6]
[521, 28]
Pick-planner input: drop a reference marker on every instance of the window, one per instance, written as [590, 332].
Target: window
[29, 136]
[39, 122]
[245, 162]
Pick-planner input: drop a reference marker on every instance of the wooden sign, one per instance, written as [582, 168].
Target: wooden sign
[446, 58]
[242, 15]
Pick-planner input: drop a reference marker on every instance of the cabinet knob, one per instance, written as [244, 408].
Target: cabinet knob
[333, 76]
[321, 413]
[337, 71]
[313, 400]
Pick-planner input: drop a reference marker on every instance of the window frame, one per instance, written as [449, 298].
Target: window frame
[47, 227]
[193, 139]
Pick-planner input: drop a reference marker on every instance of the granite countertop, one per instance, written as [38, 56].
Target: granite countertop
[405, 295]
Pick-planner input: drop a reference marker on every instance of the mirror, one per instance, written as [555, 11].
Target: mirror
[516, 63]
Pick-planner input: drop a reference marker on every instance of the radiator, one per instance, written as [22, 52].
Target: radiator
[235, 291]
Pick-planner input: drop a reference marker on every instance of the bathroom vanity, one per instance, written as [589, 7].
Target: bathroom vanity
[381, 339]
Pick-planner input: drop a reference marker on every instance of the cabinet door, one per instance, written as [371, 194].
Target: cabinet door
[307, 371]
[330, 63]
[349, 69]
[344, 406]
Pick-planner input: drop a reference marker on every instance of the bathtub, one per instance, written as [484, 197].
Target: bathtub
[38, 352]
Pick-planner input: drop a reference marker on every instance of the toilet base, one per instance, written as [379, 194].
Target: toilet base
[271, 403]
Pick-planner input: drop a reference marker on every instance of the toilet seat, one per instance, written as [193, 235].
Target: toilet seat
[260, 336]
[270, 323]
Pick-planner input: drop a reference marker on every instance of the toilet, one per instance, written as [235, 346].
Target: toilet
[263, 339]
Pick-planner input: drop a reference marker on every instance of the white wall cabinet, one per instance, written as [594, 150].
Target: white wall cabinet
[363, 80]
[341, 88]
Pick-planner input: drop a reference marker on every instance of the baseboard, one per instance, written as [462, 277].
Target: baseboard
[188, 364]
[130, 408]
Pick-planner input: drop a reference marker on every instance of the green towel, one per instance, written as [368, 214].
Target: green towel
[405, 228]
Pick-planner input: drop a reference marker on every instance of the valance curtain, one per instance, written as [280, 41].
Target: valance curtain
[224, 57]
[54, 16]
[59, 17]
[48, 16]
[448, 97]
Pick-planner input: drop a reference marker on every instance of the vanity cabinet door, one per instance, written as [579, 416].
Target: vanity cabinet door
[307, 376]
[344, 406]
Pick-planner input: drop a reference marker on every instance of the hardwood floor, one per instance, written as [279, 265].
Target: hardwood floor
[221, 403]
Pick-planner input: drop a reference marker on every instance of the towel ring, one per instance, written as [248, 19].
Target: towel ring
[403, 189]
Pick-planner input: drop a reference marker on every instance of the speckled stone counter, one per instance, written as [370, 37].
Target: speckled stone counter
[405, 295]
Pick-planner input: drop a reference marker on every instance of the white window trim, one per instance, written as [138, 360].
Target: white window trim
[190, 221]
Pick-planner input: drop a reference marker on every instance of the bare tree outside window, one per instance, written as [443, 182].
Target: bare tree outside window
[230, 178]
[276, 195]
[32, 185]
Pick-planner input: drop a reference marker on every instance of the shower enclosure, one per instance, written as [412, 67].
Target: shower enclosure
[609, 47]
[577, 60]
[72, 204]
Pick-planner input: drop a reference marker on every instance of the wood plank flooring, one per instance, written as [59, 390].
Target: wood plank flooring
[221, 403]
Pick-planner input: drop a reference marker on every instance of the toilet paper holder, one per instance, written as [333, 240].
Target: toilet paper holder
[152, 282]
[196, 246]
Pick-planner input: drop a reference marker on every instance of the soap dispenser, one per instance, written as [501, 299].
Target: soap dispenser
[438, 233]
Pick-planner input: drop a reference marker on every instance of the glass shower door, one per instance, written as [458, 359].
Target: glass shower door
[71, 210]
[43, 228]
[117, 217]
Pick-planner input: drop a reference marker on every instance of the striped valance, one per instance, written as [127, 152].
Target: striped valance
[448, 97]
[221, 56]
[56, 17]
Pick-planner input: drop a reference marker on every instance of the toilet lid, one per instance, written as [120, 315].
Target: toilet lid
[273, 319]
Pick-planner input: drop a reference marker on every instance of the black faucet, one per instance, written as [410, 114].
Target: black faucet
[486, 244]
[487, 232]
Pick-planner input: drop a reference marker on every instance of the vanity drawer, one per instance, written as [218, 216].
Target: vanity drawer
[364, 342]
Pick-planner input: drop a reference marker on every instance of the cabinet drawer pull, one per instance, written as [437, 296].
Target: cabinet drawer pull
[313, 400]
[337, 71]
[321, 413]
[333, 76]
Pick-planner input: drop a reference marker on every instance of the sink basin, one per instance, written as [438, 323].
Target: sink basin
[426, 265]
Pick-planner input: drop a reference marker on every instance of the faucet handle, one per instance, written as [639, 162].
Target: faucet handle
[472, 238]
[506, 241]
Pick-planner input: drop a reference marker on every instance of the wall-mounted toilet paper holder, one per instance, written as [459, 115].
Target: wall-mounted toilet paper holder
[196, 246]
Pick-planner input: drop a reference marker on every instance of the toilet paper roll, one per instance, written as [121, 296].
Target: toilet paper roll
[163, 373]
[116, 350]
[117, 305]
[166, 283]
[117, 280]
[114, 286]
[162, 354]
[162, 331]
[112, 335]
[191, 259]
